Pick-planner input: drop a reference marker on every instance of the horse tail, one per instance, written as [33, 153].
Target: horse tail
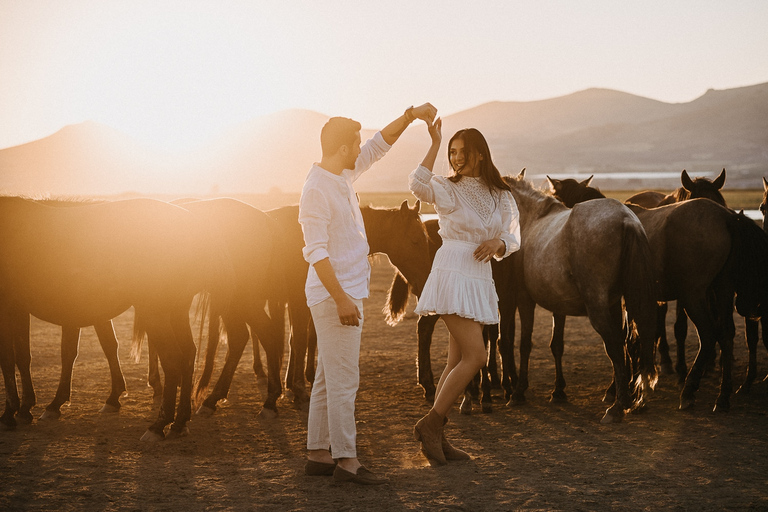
[397, 299]
[139, 333]
[638, 279]
[748, 264]
[215, 330]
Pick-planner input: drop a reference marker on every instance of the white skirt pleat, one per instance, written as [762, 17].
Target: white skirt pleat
[460, 285]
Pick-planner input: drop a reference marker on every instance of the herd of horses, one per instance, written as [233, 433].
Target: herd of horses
[77, 264]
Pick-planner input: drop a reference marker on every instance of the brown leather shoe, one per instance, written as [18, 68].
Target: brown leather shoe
[450, 451]
[363, 476]
[315, 468]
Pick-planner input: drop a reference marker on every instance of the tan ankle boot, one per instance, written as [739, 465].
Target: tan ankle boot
[429, 430]
[451, 452]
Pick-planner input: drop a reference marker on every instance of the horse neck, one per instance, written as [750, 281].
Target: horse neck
[378, 228]
[534, 205]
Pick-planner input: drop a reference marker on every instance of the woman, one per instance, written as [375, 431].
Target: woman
[478, 220]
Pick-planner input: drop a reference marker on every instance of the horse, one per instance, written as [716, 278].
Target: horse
[250, 239]
[691, 189]
[396, 232]
[85, 265]
[699, 187]
[751, 323]
[704, 253]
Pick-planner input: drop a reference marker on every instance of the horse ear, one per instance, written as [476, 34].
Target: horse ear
[686, 181]
[417, 206]
[404, 206]
[587, 181]
[521, 175]
[720, 180]
[765, 184]
[553, 185]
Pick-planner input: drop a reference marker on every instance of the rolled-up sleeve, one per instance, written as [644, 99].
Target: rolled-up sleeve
[429, 188]
[370, 153]
[315, 218]
[510, 222]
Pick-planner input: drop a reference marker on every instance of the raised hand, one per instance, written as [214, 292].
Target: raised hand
[425, 112]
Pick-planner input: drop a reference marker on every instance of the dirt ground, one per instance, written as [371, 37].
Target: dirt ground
[539, 456]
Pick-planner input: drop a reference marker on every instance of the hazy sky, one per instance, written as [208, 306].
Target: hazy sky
[174, 73]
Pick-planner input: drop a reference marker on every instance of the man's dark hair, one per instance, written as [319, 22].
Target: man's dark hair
[337, 132]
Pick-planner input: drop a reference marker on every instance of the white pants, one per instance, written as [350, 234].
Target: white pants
[331, 420]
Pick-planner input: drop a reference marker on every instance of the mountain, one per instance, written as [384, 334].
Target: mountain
[617, 136]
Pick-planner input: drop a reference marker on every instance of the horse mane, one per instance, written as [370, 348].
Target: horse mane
[546, 203]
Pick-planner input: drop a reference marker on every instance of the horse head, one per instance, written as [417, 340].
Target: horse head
[701, 187]
[569, 191]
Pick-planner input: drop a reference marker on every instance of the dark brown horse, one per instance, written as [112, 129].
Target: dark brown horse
[699, 187]
[691, 189]
[396, 232]
[250, 238]
[703, 254]
[756, 319]
[85, 265]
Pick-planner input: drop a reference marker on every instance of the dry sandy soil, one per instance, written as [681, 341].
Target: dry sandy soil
[539, 456]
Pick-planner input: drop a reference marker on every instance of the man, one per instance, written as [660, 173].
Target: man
[337, 251]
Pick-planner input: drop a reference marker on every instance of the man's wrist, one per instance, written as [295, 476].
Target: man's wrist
[409, 115]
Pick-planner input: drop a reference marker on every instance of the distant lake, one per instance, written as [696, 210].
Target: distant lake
[752, 214]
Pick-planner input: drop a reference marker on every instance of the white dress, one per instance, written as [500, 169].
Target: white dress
[468, 215]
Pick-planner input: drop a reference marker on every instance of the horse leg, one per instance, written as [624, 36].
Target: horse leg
[153, 376]
[258, 367]
[271, 334]
[237, 339]
[681, 333]
[751, 329]
[507, 348]
[70, 341]
[23, 353]
[661, 336]
[493, 338]
[106, 334]
[763, 325]
[608, 322]
[160, 334]
[526, 307]
[425, 328]
[490, 334]
[471, 393]
[299, 316]
[309, 373]
[185, 342]
[701, 315]
[557, 346]
[8, 365]
[726, 333]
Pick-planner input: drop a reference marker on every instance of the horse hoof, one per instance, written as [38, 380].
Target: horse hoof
[686, 403]
[152, 437]
[516, 401]
[558, 397]
[177, 433]
[25, 418]
[486, 408]
[109, 409]
[50, 415]
[267, 413]
[609, 418]
[722, 408]
[205, 412]
[466, 407]
[744, 390]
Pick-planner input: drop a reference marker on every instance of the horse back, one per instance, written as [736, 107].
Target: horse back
[89, 263]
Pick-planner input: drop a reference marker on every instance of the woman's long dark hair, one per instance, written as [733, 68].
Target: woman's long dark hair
[474, 147]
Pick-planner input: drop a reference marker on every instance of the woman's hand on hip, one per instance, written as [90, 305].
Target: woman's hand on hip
[486, 250]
